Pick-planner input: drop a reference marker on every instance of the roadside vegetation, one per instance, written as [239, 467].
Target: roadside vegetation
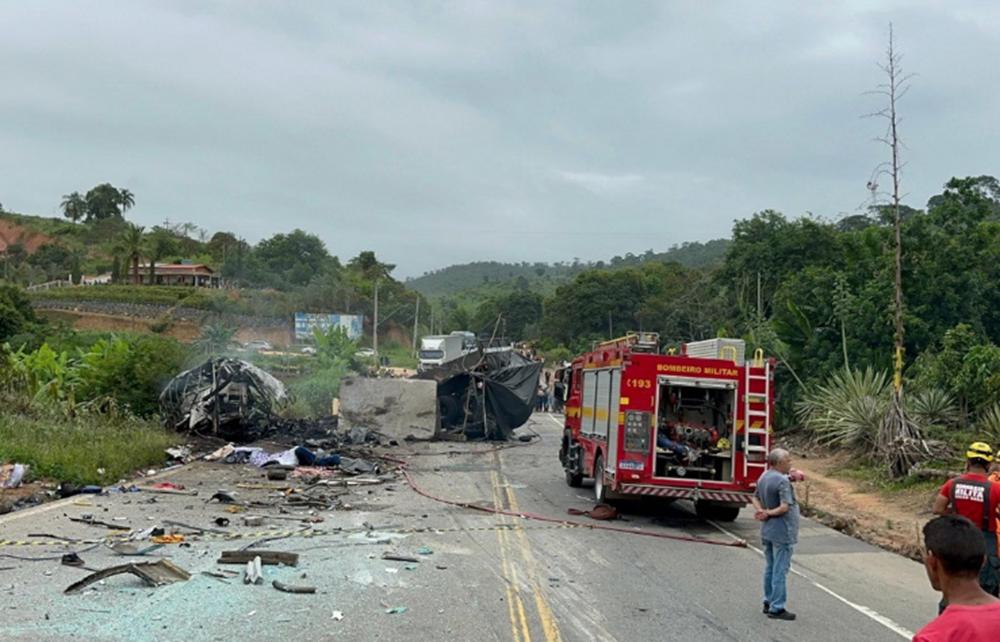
[815, 293]
[84, 448]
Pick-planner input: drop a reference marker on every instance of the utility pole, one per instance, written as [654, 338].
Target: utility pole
[375, 322]
[611, 328]
[416, 320]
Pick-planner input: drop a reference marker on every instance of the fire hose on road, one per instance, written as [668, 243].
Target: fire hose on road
[404, 468]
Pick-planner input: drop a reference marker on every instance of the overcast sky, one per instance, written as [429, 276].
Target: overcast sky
[437, 133]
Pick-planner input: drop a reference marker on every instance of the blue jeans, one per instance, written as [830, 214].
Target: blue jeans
[778, 559]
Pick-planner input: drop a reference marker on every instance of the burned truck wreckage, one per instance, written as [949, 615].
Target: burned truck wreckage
[224, 397]
[481, 395]
[484, 395]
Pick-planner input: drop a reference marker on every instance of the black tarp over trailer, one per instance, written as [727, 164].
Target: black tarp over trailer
[486, 395]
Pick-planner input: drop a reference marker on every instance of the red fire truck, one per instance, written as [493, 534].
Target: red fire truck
[694, 425]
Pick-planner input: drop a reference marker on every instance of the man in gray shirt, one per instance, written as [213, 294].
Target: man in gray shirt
[778, 511]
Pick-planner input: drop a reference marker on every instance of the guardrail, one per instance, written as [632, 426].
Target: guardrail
[48, 285]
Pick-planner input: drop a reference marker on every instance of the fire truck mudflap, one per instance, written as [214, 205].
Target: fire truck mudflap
[694, 425]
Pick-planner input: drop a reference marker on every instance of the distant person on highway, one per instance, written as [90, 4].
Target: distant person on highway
[777, 509]
[953, 554]
[558, 394]
[973, 496]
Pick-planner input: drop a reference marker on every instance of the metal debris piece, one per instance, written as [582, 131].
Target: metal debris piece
[399, 558]
[254, 573]
[125, 548]
[196, 529]
[266, 557]
[11, 475]
[156, 573]
[229, 397]
[90, 521]
[288, 588]
[179, 453]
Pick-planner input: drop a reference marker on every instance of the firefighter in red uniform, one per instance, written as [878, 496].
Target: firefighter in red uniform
[974, 496]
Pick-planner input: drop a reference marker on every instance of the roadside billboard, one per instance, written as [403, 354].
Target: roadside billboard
[306, 322]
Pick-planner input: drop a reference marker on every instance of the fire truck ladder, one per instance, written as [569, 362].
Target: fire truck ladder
[756, 412]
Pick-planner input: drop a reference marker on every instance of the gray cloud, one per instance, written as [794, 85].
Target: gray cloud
[436, 133]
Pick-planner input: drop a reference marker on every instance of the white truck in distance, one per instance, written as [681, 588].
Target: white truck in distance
[441, 348]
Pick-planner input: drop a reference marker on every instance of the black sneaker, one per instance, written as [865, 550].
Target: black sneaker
[781, 615]
[767, 608]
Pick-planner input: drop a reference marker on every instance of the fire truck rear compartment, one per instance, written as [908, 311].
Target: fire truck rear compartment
[694, 426]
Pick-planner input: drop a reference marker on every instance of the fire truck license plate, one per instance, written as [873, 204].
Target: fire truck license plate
[631, 465]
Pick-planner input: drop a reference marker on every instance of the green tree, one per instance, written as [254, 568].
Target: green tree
[103, 202]
[159, 244]
[367, 266]
[16, 314]
[215, 338]
[519, 310]
[74, 206]
[131, 244]
[126, 200]
[288, 260]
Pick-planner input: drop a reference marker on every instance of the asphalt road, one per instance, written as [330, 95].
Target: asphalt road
[487, 577]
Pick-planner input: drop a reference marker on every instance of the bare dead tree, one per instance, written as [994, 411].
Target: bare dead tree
[899, 441]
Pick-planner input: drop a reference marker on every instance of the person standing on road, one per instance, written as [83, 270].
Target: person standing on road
[973, 496]
[777, 509]
[953, 554]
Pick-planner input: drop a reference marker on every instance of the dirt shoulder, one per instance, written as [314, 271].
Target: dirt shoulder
[889, 519]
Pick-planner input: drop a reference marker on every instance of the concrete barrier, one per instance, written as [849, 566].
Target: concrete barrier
[394, 408]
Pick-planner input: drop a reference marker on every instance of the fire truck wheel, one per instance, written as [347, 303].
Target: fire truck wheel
[717, 512]
[600, 490]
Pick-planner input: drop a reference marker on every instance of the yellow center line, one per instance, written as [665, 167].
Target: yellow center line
[515, 606]
[549, 626]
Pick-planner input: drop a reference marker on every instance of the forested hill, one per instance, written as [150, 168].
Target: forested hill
[545, 277]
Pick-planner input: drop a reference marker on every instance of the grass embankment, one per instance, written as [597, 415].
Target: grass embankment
[78, 449]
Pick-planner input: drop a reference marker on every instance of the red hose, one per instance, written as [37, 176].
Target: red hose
[404, 468]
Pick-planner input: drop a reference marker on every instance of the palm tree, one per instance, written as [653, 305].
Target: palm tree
[126, 200]
[74, 206]
[215, 338]
[131, 246]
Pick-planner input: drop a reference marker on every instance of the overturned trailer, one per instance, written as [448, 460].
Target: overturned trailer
[484, 395]
[226, 397]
